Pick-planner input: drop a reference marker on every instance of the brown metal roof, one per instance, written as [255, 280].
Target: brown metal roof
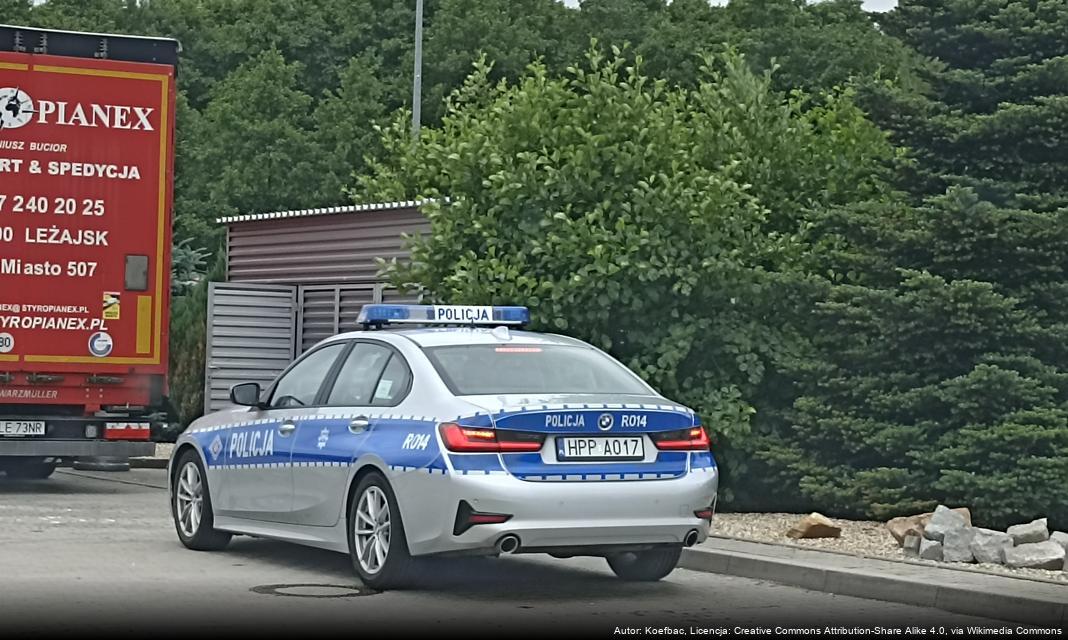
[316, 248]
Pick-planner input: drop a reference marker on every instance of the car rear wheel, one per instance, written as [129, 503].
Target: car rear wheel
[645, 566]
[191, 506]
[28, 468]
[377, 544]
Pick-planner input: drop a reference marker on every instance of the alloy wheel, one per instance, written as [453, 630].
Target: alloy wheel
[190, 497]
[372, 530]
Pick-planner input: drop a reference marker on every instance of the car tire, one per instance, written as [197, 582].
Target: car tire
[645, 566]
[28, 468]
[191, 506]
[378, 550]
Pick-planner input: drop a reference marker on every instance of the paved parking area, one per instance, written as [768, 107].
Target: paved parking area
[88, 551]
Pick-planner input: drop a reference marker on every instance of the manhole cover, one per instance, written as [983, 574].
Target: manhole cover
[313, 590]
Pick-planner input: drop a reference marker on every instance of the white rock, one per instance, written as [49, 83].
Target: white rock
[902, 526]
[1034, 531]
[956, 545]
[1060, 538]
[911, 544]
[944, 519]
[1036, 555]
[930, 550]
[989, 546]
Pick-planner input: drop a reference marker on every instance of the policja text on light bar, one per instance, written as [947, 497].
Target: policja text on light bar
[383, 314]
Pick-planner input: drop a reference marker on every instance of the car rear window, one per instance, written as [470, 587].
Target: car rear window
[518, 368]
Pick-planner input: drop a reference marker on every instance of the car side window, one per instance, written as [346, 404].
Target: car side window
[393, 384]
[358, 377]
[299, 386]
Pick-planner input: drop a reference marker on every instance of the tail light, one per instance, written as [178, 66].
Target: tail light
[483, 440]
[127, 431]
[692, 439]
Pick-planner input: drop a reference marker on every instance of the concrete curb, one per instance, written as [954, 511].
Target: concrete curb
[983, 595]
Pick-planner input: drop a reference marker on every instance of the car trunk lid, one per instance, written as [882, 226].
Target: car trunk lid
[588, 437]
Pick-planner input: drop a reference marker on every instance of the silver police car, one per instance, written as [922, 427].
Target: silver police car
[464, 435]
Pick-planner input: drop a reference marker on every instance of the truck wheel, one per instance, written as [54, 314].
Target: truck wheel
[28, 468]
[377, 544]
[645, 566]
[191, 506]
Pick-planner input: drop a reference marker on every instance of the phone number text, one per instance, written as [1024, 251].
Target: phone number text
[57, 206]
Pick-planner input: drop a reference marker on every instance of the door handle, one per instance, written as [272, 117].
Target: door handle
[359, 424]
[286, 428]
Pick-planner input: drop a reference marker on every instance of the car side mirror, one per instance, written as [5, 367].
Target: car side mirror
[246, 394]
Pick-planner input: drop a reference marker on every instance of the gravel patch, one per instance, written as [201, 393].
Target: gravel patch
[859, 538]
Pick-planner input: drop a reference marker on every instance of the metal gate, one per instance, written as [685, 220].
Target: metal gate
[327, 310]
[250, 337]
[256, 330]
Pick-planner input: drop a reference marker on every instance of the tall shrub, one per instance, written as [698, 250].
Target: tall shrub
[943, 377]
[187, 347]
[658, 223]
[995, 113]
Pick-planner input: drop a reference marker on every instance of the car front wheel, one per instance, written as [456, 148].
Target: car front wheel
[191, 506]
[377, 544]
[645, 566]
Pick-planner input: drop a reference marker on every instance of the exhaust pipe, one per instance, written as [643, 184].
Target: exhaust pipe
[690, 539]
[509, 544]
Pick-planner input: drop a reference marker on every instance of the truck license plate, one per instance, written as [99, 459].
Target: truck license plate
[22, 427]
[600, 448]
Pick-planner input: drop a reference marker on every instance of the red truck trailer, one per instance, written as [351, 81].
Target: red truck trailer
[86, 175]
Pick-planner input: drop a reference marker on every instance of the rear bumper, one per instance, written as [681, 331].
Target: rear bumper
[547, 515]
[65, 448]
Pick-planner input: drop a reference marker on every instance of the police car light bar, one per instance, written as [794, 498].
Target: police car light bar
[377, 315]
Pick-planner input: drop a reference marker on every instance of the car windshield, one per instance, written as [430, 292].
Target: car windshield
[500, 369]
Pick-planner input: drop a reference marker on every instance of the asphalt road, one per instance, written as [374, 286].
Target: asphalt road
[83, 552]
